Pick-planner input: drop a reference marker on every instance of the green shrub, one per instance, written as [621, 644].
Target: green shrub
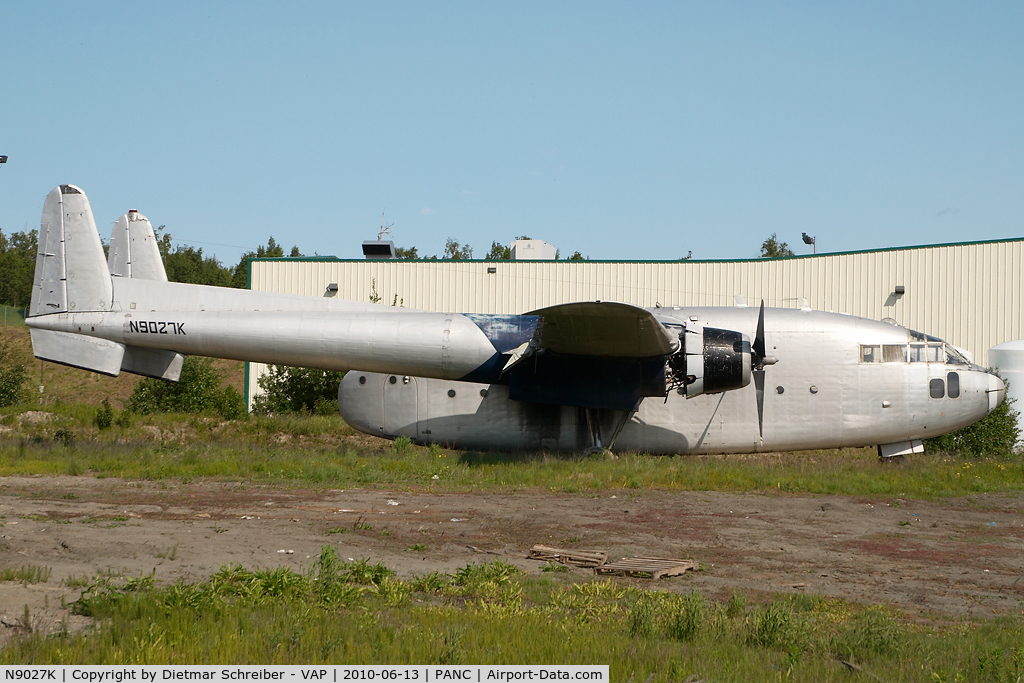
[297, 390]
[198, 390]
[65, 436]
[104, 415]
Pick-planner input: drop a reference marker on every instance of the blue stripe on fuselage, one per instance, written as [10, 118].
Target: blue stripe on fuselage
[506, 333]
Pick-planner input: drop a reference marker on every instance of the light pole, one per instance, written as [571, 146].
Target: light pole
[811, 240]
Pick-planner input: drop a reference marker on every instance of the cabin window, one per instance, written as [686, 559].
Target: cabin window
[870, 354]
[918, 353]
[937, 388]
[953, 379]
[894, 353]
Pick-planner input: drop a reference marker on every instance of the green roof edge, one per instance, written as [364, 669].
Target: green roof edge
[730, 260]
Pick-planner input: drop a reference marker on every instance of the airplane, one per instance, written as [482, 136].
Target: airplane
[587, 376]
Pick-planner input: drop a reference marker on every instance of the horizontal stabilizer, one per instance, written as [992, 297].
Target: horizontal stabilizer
[152, 363]
[602, 328]
[78, 351]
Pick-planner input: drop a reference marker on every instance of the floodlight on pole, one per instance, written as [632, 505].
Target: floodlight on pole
[812, 241]
[3, 158]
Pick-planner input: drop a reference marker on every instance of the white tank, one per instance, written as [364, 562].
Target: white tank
[1008, 358]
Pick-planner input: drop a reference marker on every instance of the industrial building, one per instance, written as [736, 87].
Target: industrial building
[971, 294]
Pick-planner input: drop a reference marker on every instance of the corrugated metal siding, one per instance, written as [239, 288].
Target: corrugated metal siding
[971, 295]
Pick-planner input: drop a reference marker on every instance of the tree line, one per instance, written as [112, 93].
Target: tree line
[186, 263]
[183, 263]
[456, 251]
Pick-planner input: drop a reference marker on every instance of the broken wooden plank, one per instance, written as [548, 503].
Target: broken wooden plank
[578, 558]
[655, 567]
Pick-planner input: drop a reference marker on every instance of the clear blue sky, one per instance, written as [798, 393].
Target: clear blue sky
[626, 131]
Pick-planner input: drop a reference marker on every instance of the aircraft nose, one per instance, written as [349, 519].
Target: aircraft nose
[996, 391]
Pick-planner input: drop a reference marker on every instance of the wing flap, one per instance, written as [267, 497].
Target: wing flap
[603, 328]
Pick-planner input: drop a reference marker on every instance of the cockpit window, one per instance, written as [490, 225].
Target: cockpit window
[921, 336]
[927, 353]
[953, 356]
[915, 352]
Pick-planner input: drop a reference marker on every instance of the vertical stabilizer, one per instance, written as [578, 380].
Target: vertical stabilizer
[133, 249]
[71, 273]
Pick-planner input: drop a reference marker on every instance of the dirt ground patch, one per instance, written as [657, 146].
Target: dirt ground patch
[958, 558]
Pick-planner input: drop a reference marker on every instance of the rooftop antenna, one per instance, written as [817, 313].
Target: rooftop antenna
[384, 229]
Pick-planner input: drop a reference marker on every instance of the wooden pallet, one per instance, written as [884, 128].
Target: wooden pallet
[578, 558]
[655, 567]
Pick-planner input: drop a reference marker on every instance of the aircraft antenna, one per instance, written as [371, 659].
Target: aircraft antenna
[384, 229]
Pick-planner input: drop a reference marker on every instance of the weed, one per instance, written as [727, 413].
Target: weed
[169, 553]
[642, 617]
[336, 530]
[554, 567]
[775, 626]
[904, 522]
[26, 574]
[69, 496]
[687, 617]
[417, 547]
[362, 572]
[737, 605]
[874, 631]
[434, 582]
[402, 444]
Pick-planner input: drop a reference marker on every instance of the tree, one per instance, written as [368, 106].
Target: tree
[453, 251]
[773, 248]
[187, 264]
[297, 390]
[18, 267]
[12, 377]
[498, 252]
[240, 274]
[411, 253]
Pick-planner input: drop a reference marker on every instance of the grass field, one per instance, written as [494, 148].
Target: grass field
[354, 612]
[324, 452]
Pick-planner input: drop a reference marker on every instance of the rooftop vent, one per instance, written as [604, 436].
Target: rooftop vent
[379, 249]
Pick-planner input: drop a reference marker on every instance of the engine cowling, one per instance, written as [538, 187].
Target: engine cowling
[711, 360]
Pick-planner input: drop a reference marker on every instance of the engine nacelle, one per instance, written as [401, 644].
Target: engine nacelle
[711, 361]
